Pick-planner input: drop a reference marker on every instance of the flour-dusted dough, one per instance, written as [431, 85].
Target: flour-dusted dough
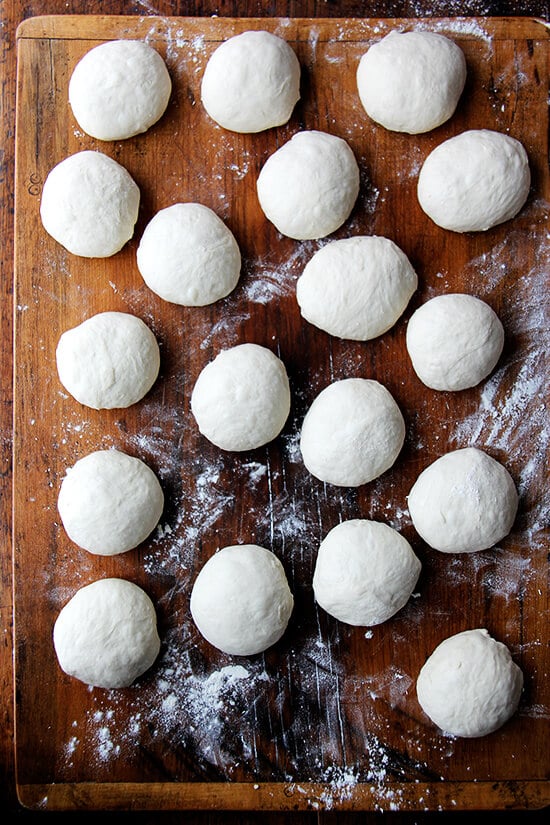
[251, 82]
[90, 204]
[463, 502]
[474, 181]
[109, 502]
[241, 399]
[241, 602]
[411, 81]
[188, 256]
[110, 360]
[470, 686]
[365, 572]
[356, 288]
[352, 433]
[309, 186]
[454, 341]
[106, 635]
[119, 89]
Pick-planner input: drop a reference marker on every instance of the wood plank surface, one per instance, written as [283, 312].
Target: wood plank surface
[328, 718]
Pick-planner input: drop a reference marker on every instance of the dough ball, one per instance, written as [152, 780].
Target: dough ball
[465, 501]
[411, 81]
[241, 601]
[119, 89]
[352, 433]
[251, 82]
[110, 360]
[188, 256]
[309, 186]
[474, 181]
[454, 341]
[356, 288]
[109, 502]
[90, 205]
[365, 572]
[106, 635]
[470, 686]
[241, 399]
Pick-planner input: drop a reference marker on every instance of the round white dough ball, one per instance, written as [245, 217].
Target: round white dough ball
[474, 181]
[365, 572]
[352, 433]
[90, 204]
[251, 82]
[106, 635]
[463, 502]
[356, 288]
[109, 502]
[241, 399]
[119, 89]
[188, 256]
[241, 602]
[309, 186]
[454, 341]
[110, 360]
[411, 81]
[470, 686]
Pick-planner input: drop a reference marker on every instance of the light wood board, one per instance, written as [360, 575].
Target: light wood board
[327, 718]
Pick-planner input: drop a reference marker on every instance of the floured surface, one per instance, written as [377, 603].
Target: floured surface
[329, 703]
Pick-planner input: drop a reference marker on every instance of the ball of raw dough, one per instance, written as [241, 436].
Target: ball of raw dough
[365, 572]
[454, 341]
[110, 360]
[241, 601]
[119, 89]
[90, 205]
[470, 686]
[352, 433]
[463, 502]
[309, 186]
[106, 635]
[241, 399]
[356, 288]
[109, 502]
[188, 256]
[251, 82]
[474, 181]
[411, 81]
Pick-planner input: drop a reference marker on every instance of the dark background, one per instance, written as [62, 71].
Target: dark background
[12, 12]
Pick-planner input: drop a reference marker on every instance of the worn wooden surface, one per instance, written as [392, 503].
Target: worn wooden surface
[63, 292]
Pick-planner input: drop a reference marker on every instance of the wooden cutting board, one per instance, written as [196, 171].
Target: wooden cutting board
[327, 718]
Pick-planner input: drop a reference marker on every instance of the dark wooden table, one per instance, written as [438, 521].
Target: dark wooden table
[12, 13]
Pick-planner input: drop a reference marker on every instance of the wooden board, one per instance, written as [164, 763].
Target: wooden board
[327, 718]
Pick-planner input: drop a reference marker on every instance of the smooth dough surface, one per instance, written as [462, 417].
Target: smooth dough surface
[365, 572]
[90, 204]
[309, 186]
[411, 81]
[470, 686]
[110, 360]
[241, 399]
[251, 82]
[454, 341]
[356, 288]
[119, 89]
[109, 502]
[106, 635]
[188, 256]
[474, 181]
[463, 502]
[241, 602]
[352, 433]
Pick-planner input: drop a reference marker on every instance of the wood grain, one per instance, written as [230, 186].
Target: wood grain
[333, 708]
